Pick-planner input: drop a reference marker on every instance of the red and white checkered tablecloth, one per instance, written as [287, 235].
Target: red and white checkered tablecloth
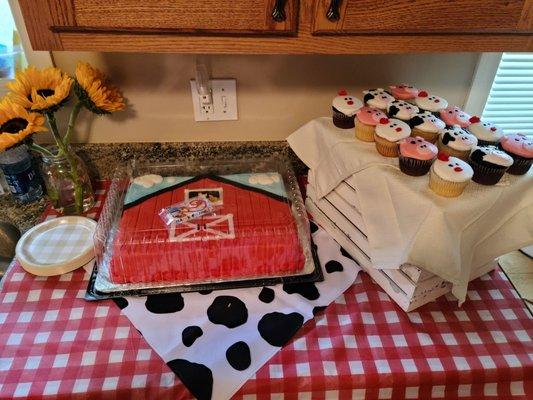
[54, 344]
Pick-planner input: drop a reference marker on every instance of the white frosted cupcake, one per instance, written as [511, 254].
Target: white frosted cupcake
[489, 164]
[388, 134]
[377, 98]
[486, 132]
[427, 126]
[449, 175]
[430, 102]
[344, 108]
[456, 142]
[402, 110]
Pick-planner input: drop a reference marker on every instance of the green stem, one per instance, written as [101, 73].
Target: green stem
[40, 149]
[64, 150]
[72, 121]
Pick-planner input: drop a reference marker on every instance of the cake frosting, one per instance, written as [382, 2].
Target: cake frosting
[427, 122]
[430, 102]
[418, 148]
[392, 129]
[346, 104]
[457, 138]
[453, 115]
[403, 91]
[452, 169]
[402, 109]
[370, 116]
[377, 98]
[519, 144]
[491, 155]
[484, 130]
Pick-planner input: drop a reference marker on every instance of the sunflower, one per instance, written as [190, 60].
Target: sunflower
[16, 124]
[95, 92]
[43, 91]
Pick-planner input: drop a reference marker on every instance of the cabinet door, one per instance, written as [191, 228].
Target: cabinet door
[172, 16]
[422, 17]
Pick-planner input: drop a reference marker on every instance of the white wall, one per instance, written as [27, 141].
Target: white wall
[276, 94]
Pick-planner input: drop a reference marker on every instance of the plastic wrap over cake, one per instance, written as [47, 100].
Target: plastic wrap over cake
[256, 227]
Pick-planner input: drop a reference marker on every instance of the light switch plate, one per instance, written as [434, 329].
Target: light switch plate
[224, 105]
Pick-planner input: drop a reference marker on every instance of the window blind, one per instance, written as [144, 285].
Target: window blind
[510, 101]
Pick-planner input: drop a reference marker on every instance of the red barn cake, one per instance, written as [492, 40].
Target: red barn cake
[251, 234]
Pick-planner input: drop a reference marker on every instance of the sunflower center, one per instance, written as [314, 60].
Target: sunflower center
[45, 92]
[13, 125]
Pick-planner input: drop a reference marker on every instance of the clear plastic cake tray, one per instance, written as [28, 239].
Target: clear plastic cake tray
[254, 232]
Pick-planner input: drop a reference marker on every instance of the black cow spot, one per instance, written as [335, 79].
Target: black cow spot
[333, 266]
[415, 121]
[121, 302]
[313, 226]
[238, 356]
[190, 334]
[318, 309]
[205, 291]
[393, 110]
[267, 295]
[164, 303]
[306, 289]
[447, 138]
[368, 97]
[228, 311]
[196, 377]
[278, 328]
[346, 254]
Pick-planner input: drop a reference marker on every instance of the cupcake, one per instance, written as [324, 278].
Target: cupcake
[366, 121]
[486, 132]
[402, 110]
[344, 108]
[489, 164]
[416, 155]
[456, 142]
[403, 91]
[453, 115]
[426, 125]
[431, 103]
[387, 135]
[449, 176]
[377, 98]
[520, 147]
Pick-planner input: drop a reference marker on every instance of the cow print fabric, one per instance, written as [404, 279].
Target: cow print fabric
[214, 341]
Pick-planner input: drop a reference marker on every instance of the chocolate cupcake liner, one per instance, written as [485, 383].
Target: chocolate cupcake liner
[413, 167]
[341, 120]
[364, 132]
[462, 154]
[385, 147]
[520, 164]
[445, 188]
[485, 175]
[430, 137]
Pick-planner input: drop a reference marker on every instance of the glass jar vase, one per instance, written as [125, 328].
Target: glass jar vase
[67, 182]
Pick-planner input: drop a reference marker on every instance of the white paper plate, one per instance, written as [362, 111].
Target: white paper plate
[57, 246]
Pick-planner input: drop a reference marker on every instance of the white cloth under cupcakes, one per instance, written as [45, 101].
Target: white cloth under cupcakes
[406, 222]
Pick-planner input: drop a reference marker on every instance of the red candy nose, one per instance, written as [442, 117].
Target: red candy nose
[474, 119]
[437, 101]
[384, 121]
[343, 92]
[457, 169]
[423, 93]
[493, 129]
[349, 102]
[398, 129]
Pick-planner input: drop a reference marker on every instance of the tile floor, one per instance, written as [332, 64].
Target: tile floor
[519, 269]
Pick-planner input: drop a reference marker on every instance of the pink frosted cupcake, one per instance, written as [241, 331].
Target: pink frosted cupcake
[520, 147]
[453, 115]
[416, 155]
[403, 91]
[366, 120]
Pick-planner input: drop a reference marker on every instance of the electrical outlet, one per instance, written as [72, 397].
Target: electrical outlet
[223, 106]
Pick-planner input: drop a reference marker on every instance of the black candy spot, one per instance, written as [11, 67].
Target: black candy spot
[121, 302]
[205, 291]
[190, 334]
[267, 295]
[228, 311]
[164, 303]
[238, 356]
[318, 309]
[313, 226]
[306, 289]
[333, 266]
[197, 377]
[278, 328]
[346, 254]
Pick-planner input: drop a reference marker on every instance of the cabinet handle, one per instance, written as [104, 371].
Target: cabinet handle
[278, 12]
[333, 11]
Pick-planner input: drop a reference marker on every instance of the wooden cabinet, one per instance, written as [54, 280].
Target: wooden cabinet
[422, 17]
[280, 26]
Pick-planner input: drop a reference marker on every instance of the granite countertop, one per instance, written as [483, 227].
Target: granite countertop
[103, 158]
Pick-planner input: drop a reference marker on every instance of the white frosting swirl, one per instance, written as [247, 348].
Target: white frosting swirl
[493, 155]
[430, 102]
[453, 170]
[394, 130]
[457, 138]
[348, 105]
[378, 98]
[430, 123]
[402, 109]
[486, 131]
